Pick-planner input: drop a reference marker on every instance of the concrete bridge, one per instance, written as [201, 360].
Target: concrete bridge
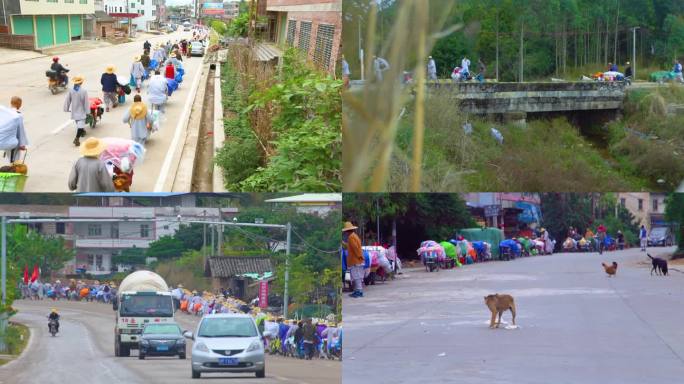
[503, 98]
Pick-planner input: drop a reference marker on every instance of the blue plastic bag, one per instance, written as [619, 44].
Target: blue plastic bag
[179, 78]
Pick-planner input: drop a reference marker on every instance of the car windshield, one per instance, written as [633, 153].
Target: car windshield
[658, 232]
[227, 327]
[162, 329]
[147, 305]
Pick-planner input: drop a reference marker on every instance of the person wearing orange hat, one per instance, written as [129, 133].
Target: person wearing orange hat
[352, 243]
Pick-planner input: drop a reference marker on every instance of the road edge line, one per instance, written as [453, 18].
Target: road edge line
[180, 127]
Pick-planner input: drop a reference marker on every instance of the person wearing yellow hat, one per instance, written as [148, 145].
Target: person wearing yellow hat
[77, 103]
[109, 84]
[140, 120]
[54, 316]
[89, 173]
[352, 243]
[137, 73]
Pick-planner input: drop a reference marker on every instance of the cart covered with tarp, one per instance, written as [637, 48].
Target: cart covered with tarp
[451, 252]
[493, 236]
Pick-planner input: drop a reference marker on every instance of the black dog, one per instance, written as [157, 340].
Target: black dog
[659, 265]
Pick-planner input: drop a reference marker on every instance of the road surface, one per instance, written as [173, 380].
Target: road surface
[83, 352]
[50, 131]
[576, 325]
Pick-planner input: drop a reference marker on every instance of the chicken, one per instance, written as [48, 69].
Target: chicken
[610, 269]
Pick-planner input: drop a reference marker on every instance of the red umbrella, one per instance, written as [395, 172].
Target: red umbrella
[26, 276]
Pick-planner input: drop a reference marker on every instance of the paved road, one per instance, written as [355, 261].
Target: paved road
[50, 130]
[83, 352]
[576, 325]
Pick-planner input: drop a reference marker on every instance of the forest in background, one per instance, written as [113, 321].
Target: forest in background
[553, 37]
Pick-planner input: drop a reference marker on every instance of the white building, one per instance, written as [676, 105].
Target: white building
[133, 225]
[319, 204]
[144, 13]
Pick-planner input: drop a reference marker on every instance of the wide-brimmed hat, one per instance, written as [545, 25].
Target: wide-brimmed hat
[92, 147]
[136, 58]
[348, 226]
[180, 285]
[78, 80]
[110, 69]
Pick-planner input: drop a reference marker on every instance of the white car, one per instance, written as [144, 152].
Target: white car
[227, 342]
[196, 48]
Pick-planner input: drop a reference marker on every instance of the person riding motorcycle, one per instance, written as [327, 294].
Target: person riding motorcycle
[60, 69]
[54, 316]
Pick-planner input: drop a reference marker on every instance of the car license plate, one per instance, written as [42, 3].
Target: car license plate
[228, 361]
[162, 348]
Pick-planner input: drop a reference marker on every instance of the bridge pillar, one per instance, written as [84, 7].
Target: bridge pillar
[518, 118]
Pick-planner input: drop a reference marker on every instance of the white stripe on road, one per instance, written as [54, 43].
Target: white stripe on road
[170, 153]
[61, 127]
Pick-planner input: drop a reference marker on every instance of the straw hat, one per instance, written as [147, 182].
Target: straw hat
[348, 226]
[109, 69]
[92, 148]
[78, 80]
[136, 58]
[180, 285]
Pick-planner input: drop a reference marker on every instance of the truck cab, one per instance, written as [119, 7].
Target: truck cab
[143, 298]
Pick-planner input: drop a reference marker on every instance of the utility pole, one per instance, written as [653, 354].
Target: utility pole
[287, 269]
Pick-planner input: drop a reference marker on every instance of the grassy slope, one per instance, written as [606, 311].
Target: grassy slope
[547, 155]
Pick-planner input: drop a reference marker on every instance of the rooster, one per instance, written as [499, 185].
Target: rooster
[610, 269]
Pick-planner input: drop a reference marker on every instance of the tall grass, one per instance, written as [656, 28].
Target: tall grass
[372, 114]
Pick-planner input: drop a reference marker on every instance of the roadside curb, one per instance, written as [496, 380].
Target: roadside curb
[182, 177]
[219, 133]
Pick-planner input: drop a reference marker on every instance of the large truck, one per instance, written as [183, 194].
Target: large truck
[143, 297]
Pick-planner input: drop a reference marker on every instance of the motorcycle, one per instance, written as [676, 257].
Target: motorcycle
[52, 324]
[55, 84]
[430, 262]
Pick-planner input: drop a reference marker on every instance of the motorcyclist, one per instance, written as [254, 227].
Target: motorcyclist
[60, 69]
[54, 316]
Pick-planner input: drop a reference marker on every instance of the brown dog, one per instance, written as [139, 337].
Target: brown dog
[499, 304]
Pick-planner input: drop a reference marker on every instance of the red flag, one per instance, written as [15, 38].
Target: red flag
[26, 277]
[36, 274]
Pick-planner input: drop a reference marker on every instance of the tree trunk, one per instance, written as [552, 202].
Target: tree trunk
[605, 53]
[522, 60]
[497, 46]
[615, 45]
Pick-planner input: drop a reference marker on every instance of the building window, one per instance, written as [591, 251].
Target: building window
[641, 204]
[304, 35]
[623, 202]
[144, 231]
[94, 230]
[655, 205]
[51, 1]
[291, 29]
[324, 45]
[83, 1]
[142, 12]
[98, 262]
[91, 259]
[114, 231]
[132, 5]
[142, 2]
[69, 1]
[60, 228]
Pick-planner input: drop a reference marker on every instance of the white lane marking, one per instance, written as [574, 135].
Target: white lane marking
[166, 166]
[61, 127]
